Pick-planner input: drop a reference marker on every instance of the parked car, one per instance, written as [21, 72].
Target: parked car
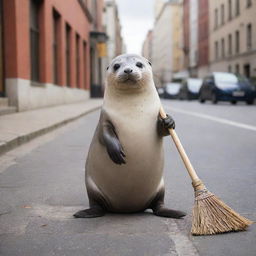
[221, 86]
[190, 89]
[160, 92]
[171, 90]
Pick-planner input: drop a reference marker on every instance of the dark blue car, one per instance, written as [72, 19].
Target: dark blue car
[221, 86]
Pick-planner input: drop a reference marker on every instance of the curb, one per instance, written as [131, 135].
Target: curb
[22, 139]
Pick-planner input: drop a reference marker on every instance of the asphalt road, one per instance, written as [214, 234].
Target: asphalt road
[42, 185]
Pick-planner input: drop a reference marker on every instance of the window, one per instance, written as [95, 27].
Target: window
[237, 41]
[249, 36]
[68, 32]
[223, 47]
[56, 19]
[237, 7]
[34, 40]
[237, 69]
[249, 3]
[229, 9]
[77, 61]
[247, 70]
[230, 68]
[216, 50]
[216, 18]
[222, 14]
[230, 44]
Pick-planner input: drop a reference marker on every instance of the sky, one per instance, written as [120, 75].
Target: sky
[136, 17]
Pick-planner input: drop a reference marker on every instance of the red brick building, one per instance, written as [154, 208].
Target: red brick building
[45, 52]
[203, 37]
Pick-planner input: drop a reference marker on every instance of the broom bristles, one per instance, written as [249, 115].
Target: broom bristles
[213, 216]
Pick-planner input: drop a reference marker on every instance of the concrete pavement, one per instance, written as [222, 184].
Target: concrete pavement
[18, 128]
[42, 189]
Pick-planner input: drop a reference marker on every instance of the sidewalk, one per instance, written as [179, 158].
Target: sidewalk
[19, 128]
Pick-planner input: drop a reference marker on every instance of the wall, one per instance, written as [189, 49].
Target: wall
[20, 90]
[162, 55]
[203, 38]
[239, 22]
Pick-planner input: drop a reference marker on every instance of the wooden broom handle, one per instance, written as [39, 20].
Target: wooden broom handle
[184, 157]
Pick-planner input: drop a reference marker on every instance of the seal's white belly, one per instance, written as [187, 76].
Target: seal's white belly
[130, 186]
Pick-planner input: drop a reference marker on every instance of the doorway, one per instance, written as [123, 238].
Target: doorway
[247, 70]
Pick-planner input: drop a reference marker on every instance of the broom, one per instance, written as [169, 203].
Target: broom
[210, 214]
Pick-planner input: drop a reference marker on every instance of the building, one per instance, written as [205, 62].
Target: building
[186, 32]
[115, 44]
[203, 38]
[232, 39]
[193, 37]
[45, 57]
[98, 49]
[147, 46]
[167, 54]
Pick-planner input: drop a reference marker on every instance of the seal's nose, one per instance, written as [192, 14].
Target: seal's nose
[128, 70]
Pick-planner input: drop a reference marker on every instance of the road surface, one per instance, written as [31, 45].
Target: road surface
[42, 185]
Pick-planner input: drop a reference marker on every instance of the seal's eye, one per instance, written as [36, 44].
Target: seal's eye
[139, 64]
[116, 66]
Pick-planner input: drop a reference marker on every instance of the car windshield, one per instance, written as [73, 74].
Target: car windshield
[173, 88]
[194, 85]
[226, 80]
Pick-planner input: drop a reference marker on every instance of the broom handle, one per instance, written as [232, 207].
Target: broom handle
[184, 157]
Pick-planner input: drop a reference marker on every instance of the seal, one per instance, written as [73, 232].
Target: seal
[124, 166]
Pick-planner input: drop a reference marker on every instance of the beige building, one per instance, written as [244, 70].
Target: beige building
[115, 44]
[147, 46]
[232, 40]
[167, 54]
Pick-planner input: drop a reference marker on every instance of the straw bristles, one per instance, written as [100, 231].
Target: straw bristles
[212, 216]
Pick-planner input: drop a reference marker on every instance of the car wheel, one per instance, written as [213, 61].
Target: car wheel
[201, 99]
[249, 102]
[214, 98]
[233, 102]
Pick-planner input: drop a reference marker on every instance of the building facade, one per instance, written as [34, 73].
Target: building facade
[147, 46]
[167, 54]
[115, 44]
[193, 37]
[191, 33]
[46, 55]
[98, 49]
[233, 36]
[186, 32]
[203, 38]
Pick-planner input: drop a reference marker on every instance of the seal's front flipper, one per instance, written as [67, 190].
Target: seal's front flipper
[93, 212]
[164, 124]
[168, 213]
[109, 138]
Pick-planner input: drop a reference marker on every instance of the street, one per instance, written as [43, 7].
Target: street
[41, 189]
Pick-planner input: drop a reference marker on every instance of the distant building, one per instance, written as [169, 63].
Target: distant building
[147, 46]
[186, 32]
[98, 48]
[233, 36]
[115, 44]
[45, 52]
[167, 54]
[191, 33]
[193, 37]
[203, 38]
[158, 5]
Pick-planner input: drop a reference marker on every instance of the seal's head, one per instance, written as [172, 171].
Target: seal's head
[129, 71]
